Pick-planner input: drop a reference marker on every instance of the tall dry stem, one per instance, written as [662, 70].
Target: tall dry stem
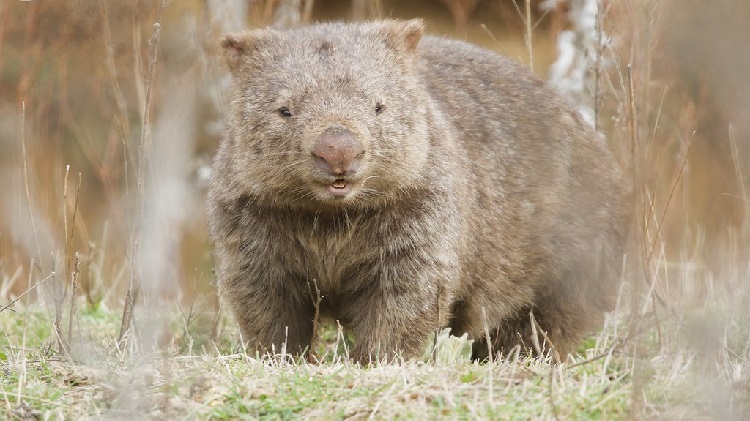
[24, 160]
[23, 372]
[490, 355]
[73, 287]
[528, 29]
[528, 33]
[3, 19]
[143, 163]
[316, 298]
[740, 175]
[29, 289]
[636, 400]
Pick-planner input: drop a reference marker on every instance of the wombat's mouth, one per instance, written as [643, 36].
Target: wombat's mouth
[339, 187]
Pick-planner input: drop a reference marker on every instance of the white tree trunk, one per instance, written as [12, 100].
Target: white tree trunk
[228, 15]
[574, 72]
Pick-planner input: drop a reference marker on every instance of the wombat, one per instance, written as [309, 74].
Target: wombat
[417, 183]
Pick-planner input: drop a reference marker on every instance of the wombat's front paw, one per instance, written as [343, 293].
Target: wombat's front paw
[390, 348]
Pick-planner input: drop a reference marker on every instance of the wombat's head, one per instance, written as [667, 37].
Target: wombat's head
[333, 114]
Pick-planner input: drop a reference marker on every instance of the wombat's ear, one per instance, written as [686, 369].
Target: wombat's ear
[404, 35]
[237, 47]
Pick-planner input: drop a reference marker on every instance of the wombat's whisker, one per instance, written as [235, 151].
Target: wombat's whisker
[366, 179]
[292, 164]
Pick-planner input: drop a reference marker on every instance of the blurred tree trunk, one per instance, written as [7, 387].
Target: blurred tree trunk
[292, 13]
[461, 11]
[288, 14]
[228, 15]
[575, 71]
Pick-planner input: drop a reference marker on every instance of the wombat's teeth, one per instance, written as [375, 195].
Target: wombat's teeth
[339, 184]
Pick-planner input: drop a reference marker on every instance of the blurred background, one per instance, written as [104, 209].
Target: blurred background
[111, 111]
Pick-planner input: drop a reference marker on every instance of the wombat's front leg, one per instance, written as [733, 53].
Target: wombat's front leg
[392, 324]
[394, 314]
[271, 313]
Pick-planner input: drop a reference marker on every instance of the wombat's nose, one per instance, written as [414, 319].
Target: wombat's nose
[338, 150]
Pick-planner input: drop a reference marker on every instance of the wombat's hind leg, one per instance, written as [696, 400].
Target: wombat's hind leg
[558, 329]
[504, 339]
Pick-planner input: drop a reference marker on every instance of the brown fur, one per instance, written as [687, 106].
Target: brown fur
[480, 195]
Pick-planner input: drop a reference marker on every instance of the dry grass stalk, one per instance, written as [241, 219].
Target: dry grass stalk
[490, 354]
[9, 282]
[23, 373]
[143, 163]
[737, 163]
[433, 354]
[66, 243]
[58, 299]
[73, 272]
[73, 286]
[3, 19]
[636, 397]
[216, 324]
[536, 330]
[24, 160]
[316, 299]
[29, 289]
[528, 29]
[528, 34]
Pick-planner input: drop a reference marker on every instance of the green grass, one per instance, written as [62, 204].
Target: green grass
[97, 380]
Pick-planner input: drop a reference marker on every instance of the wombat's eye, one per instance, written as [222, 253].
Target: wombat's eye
[284, 112]
[379, 107]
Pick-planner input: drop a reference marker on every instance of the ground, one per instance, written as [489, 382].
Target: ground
[191, 377]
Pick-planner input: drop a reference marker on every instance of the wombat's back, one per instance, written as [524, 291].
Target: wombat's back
[546, 200]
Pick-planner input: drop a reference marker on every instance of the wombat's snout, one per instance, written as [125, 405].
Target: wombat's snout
[338, 151]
